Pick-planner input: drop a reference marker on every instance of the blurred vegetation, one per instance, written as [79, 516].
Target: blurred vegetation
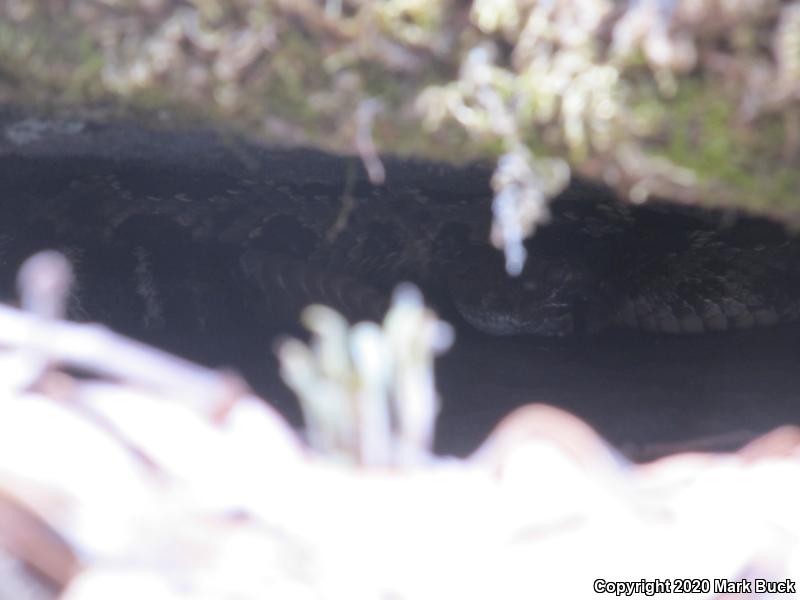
[694, 101]
[367, 391]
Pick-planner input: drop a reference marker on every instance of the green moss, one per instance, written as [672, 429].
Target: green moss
[701, 131]
[314, 70]
[49, 64]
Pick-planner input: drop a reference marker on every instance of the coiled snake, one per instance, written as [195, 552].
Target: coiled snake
[200, 245]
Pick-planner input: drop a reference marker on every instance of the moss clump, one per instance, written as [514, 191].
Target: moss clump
[739, 163]
[695, 104]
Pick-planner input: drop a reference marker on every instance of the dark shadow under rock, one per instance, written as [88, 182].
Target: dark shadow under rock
[167, 228]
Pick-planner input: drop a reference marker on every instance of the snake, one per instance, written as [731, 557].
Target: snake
[209, 246]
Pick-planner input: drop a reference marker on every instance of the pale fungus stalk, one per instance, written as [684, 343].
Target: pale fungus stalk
[367, 391]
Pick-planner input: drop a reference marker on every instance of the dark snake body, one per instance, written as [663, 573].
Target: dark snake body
[286, 285]
[188, 245]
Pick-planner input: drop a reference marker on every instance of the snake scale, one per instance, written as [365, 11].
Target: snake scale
[209, 247]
